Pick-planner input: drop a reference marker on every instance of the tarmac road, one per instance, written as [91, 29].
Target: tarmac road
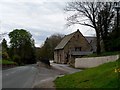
[19, 77]
[32, 76]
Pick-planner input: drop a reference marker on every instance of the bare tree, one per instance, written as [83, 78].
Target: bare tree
[90, 10]
[105, 22]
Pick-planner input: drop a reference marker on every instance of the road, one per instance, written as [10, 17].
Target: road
[65, 67]
[32, 76]
[19, 77]
[45, 76]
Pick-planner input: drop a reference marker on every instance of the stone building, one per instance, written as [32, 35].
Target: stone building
[72, 46]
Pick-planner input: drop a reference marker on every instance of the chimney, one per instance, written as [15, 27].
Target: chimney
[77, 30]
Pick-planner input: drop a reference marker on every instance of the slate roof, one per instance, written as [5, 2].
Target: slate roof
[64, 41]
[89, 38]
[92, 41]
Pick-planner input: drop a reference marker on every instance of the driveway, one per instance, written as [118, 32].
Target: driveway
[45, 76]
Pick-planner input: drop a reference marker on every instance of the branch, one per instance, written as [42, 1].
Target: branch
[86, 24]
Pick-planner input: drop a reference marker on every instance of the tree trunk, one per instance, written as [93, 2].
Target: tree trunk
[98, 43]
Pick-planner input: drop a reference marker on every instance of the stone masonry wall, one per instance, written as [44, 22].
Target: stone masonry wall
[94, 61]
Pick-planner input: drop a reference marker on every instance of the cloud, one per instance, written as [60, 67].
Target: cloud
[41, 18]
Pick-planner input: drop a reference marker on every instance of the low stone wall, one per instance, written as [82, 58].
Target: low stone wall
[94, 61]
[41, 64]
[7, 66]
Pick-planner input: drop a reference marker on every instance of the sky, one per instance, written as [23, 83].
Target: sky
[41, 18]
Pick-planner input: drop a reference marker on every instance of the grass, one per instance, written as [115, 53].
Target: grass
[103, 54]
[6, 62]
[103, 76]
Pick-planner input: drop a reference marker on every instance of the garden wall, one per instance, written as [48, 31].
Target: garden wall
[94, 61]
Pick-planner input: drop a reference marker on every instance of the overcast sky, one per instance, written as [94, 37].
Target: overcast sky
[41, 18]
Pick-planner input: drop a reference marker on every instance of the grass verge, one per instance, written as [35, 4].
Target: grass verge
[103, 76]
[6, 62]
[103, 54]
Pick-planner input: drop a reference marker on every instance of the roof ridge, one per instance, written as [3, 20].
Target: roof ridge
[71, 33]
[65, 40]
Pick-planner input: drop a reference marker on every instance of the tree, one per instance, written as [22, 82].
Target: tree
[114, 42]
[47, 50]
[22, 46]
[93, 12]
[2, 35]
[4, 45]
[105, 23]
[4, 50]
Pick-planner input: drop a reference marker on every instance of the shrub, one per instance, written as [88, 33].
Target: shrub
[16, 59]
[5, 56]
[45, 60]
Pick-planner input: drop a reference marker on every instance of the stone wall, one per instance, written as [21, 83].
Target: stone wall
[59, 56]
[7, 66]
[76, 41]
[55, 56]
[41, 64]
[94, 61]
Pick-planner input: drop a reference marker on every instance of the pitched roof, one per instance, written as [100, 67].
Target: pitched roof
[64, 41]
[89, 38]
[92, 41]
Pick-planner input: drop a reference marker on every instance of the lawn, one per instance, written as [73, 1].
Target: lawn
[6, 62]
[103, 54]
[103, 76]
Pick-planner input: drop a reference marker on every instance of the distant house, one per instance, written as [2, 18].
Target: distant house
[72, 46]
[92, 42]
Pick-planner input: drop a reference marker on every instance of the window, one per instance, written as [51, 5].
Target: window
[77, 48]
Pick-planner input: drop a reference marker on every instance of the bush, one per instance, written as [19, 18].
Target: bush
[45, 61]
[7, 62]
[5, 56]
[16, 59]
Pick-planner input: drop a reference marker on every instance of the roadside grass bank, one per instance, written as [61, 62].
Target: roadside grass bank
[7, 62]
[103, 54]
[103, 76]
